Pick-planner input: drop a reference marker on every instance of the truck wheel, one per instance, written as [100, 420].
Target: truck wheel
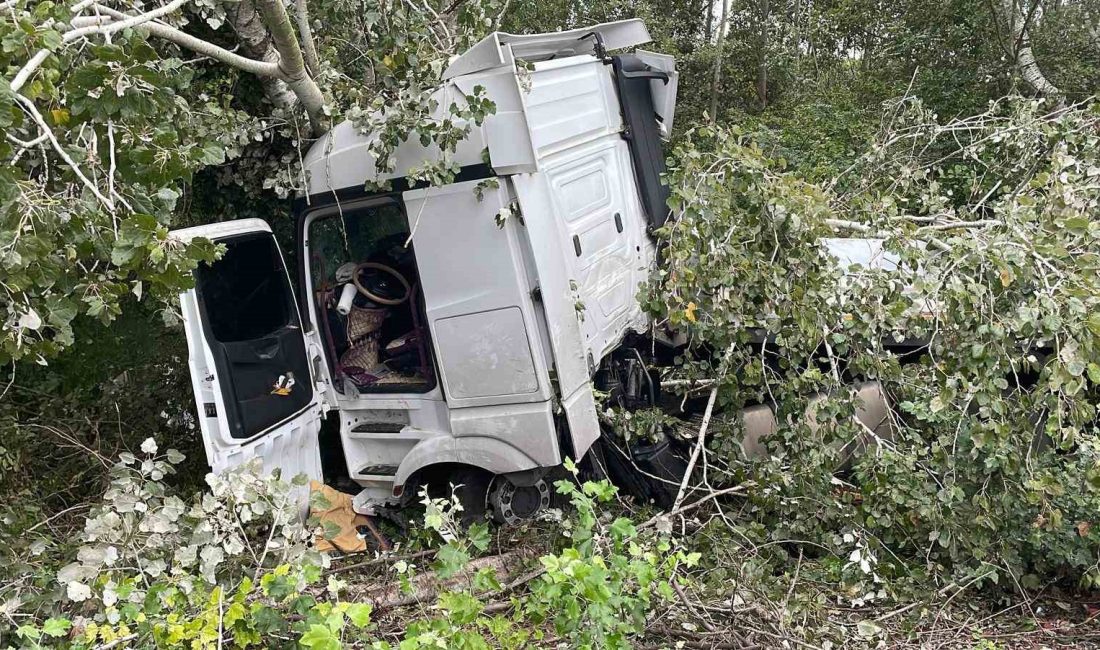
[471, 486]
[512, 504]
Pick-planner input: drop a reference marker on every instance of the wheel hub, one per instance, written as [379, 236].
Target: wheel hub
[512, 504]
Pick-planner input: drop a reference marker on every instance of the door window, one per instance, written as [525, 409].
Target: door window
[254, 333]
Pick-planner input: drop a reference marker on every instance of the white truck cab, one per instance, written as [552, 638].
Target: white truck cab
[446, 338]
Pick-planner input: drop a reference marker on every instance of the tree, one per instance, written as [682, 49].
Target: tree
[108, 115]
[992, 223]
[1017, 18]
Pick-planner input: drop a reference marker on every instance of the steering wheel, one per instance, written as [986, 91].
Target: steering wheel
[378, 285]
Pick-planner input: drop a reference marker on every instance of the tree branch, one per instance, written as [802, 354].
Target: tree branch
[309, 45]
[291, 62]
[205, 48]
[1029, 68]
[40, 56]
[256, 43]
[32, 110]
[284, 62]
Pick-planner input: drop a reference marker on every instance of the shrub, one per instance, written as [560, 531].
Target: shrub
[994, 223]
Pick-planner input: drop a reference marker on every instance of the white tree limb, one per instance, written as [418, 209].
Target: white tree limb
[40, 56]
[1028, 67]
[305, 30]
[284, 62]
[199, 46]
[255, 42]
[699, 442]
[32, 110]
[292, 64]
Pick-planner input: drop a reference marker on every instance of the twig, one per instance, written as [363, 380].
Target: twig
[384, 559]
[737, 489]
[32, 110]
[700, 440]
[117, 642]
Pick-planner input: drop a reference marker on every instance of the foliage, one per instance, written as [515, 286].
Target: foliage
[410, 50]
[233, 565]
[991, 476]
[109, 131]
[992, 223]
[599, 590]
[649, 424]
[70, 248]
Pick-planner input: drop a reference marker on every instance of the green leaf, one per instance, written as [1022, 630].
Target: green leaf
[56, 627]
[623, 529]
[451, 559]
[1094, 373]
[359, 614]
[318, 501]
[28, 632]
[478, 535]
[463, 607]
[320, 637]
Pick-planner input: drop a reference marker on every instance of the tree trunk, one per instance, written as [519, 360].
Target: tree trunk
[256, 44]
[716, 81]
[292, 65]
[762, 69]
[1021, 51]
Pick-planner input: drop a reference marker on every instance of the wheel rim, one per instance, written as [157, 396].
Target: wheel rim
[512, 504]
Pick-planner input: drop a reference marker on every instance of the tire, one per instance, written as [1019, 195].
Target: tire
[471, 486]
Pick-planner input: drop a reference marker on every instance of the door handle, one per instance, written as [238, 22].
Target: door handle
[647, 74]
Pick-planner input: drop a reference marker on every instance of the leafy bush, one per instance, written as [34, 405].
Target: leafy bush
[993, 221]
[234, 565]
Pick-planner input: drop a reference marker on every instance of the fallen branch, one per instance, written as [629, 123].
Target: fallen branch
[427, 586]
[698, 447]
[40, 121]
[383, 559]
[737, 489]
[40, 56]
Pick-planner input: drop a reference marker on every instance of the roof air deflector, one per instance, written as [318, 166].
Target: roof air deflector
[490, 52]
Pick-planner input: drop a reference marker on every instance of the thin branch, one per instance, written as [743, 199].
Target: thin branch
[39, 57]
[205, 48]
[32, 110]
[309, 45]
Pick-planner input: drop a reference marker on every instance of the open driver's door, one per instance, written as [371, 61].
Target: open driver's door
[253, 370]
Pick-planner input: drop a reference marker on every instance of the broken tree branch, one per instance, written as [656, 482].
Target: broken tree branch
[292, 65]
[40, 56]
[32, 110]
[199, 46]
[305, 30]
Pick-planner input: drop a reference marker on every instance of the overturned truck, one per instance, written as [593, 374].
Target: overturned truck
[429, 341]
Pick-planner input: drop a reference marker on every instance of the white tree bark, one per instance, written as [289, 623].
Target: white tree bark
[716, 79]
[199, 46]
[305, 30]
[255, 42]
[266, 35]
[1020, 45]
[292, 65]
